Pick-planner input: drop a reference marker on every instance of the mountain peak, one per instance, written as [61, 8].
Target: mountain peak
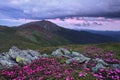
[46, 21]
[46, 33]
[44, 24]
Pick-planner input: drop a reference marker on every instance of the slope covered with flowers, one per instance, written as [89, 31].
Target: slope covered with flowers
[55, 68]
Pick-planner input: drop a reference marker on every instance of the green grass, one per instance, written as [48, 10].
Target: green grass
[26, 44]
[81, 48]
[111, 47]
[12, 37]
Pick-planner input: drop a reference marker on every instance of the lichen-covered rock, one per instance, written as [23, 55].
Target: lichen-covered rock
[76, 54]
[80, 59]
[116, 66]
[61, 52]
[18, 59]
[100, 64]
[44, 55]
[16, 56]
[5, 61]
[7, 64]
[23, 61]
[33, 53]
[98, 60]
[14, 52]
[73, 56]
[97, 67]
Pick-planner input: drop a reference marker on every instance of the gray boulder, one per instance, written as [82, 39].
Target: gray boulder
[14, 52]
[61, 52]
[98, 60]
[100, 64]
[33, 53]
[16, 56]
[80, 59]
[6, 62]
[66, 53]
[22, 60]
[73, 56]
[45, 55]
[26, 56]
[76, 54]
[97, 67]
[116, 66]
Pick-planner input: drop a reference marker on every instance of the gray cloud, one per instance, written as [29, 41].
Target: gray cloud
[41, 9]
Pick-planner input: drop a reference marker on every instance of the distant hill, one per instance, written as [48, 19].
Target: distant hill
[114, 34]
[46, 33]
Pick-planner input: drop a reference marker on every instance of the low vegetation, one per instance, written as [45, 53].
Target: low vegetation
[55, 68]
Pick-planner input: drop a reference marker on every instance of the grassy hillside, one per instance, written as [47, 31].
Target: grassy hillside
[44, 33]
[84, 37]
[39, 34]
[24, 38]
[84, 48]
[89, 50]
[114, 34]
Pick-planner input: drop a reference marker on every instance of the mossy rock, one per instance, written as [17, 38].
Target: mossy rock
[18, 59]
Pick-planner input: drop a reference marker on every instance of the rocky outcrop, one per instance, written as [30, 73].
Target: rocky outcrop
[81, 59]
[16, 57]
[44, 55]
[6, 61]
[100, 64]
[61, 52]
[73, 56]
[115, 66]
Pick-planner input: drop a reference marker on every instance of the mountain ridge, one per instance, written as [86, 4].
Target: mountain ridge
[46, 33]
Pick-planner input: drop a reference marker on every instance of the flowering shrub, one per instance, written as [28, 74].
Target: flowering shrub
[110, 58]
[93, 52]
[56, 69]
[43, 68]
[107, 74]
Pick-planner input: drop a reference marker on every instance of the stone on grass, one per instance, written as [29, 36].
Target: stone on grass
[76, 54]
[16, 56]
[81, 59]
[73, 56]
[98, 60]
[116, 66]
[97, 67]
[45, 55]
[100, 64]
[61, 52]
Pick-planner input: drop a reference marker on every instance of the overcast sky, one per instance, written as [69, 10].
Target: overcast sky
[13, 12]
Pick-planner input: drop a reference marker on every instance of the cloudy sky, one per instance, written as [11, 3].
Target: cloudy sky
[77, 14]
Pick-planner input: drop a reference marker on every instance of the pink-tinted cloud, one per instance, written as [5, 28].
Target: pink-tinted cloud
[94, 23]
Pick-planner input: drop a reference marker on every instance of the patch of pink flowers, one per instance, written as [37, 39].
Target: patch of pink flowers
[43, 68]
[110, 58]
[82, 74]
[56, 69]
[107, 74]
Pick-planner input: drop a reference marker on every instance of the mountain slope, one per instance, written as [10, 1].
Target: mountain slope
[114, 34]
[28, 38]
[73, 36]
[45, 33]
[40, 32]
[84, 37]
